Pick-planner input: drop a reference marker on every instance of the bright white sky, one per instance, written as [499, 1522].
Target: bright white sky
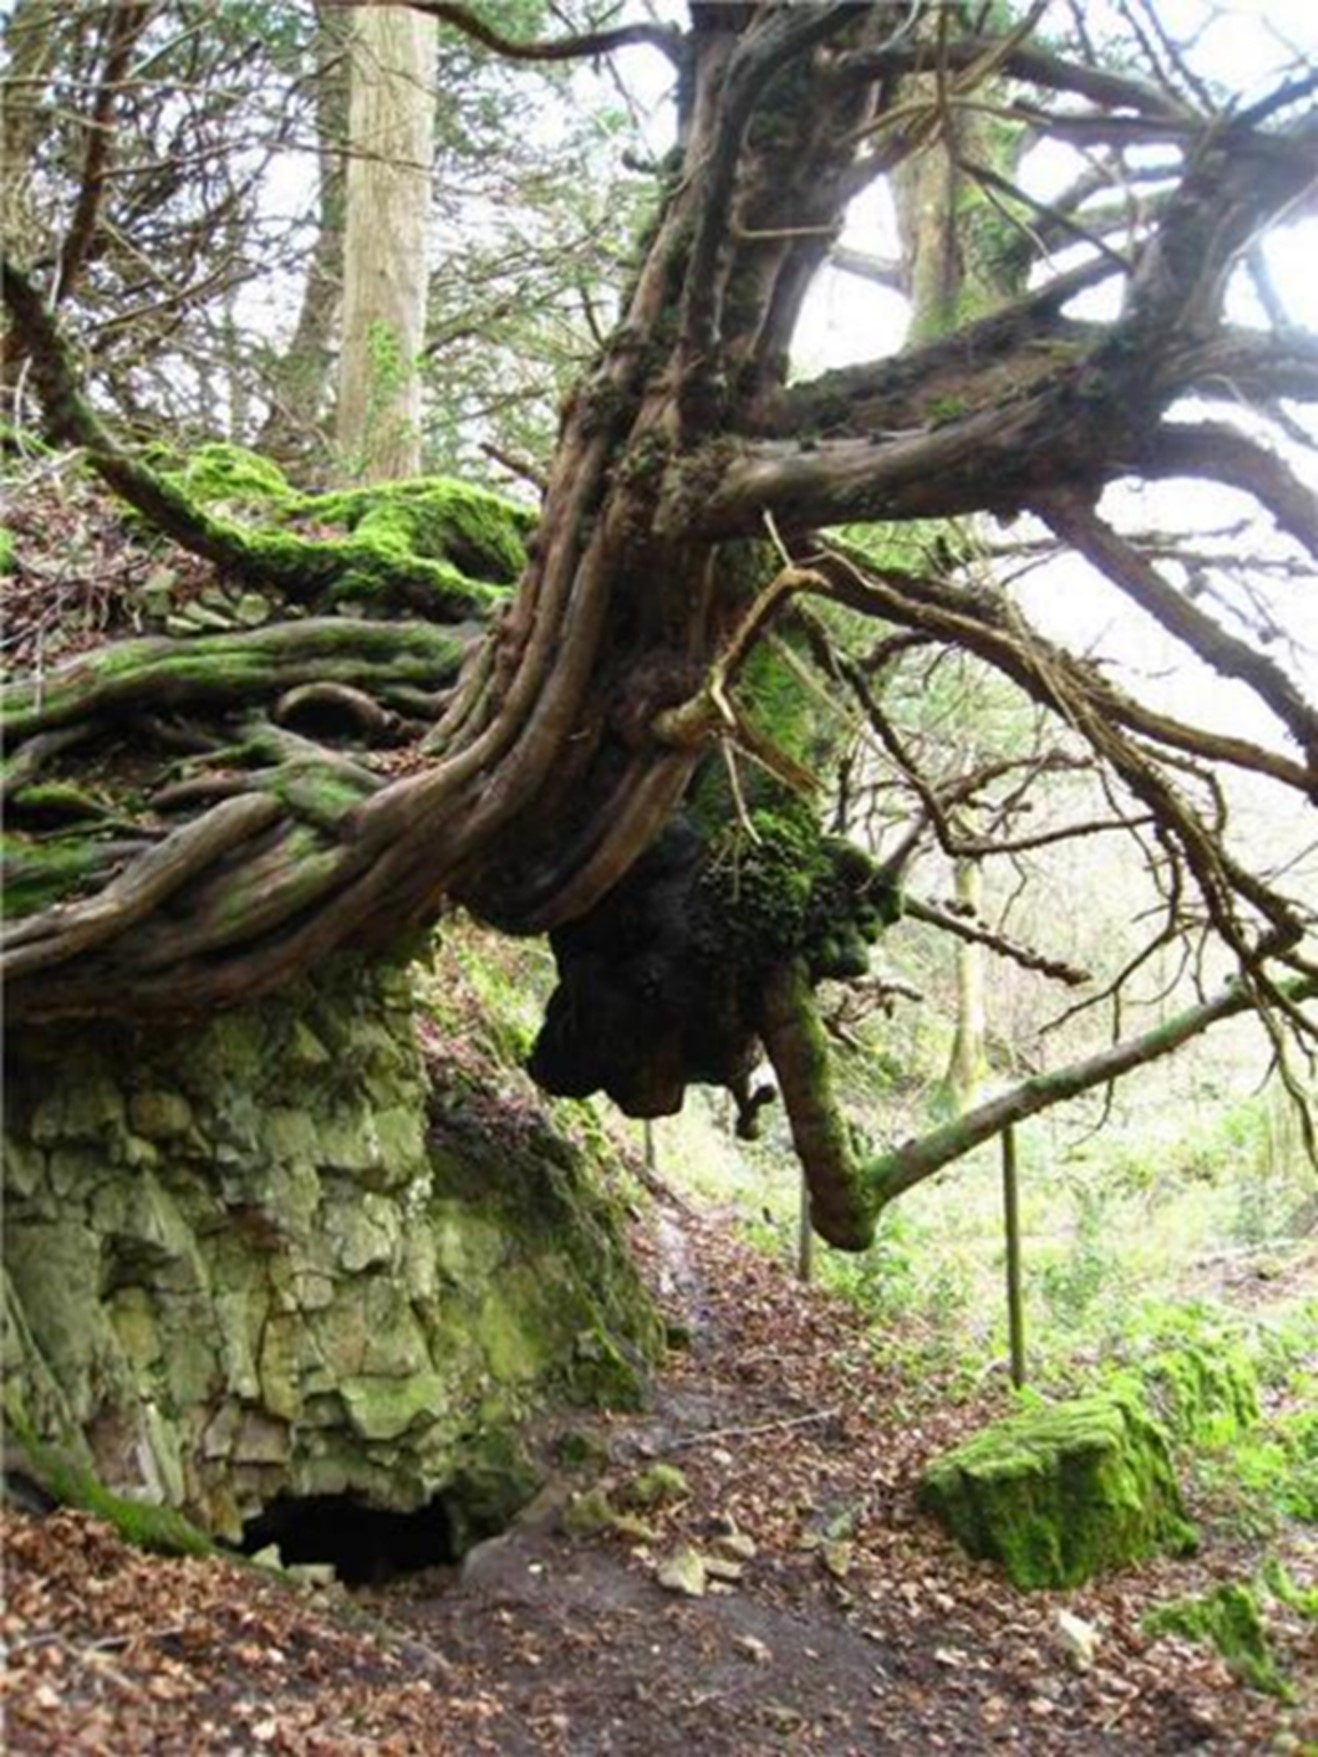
[848, 319]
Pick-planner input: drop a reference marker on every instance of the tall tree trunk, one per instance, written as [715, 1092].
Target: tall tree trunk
[302, 379]
[391, 140]
[958, 265]
[967, 1065]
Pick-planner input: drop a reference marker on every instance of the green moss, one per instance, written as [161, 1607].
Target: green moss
[231, 473]
[658, 1486]
[1204, 1394]
[436, 518]
[432, 546]
[1059, 1495]
[1271, 1474]
[67, 1480]
[783, 888]
[589, 1513]
[8, 551]
[1229, 1619]
[36, 874]
[1276, 1579]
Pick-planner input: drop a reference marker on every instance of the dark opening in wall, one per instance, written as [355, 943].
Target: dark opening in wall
[365, 1544]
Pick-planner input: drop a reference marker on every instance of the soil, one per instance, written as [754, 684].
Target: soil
[844, 1623]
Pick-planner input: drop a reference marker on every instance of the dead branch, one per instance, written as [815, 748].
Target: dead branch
[977, 934]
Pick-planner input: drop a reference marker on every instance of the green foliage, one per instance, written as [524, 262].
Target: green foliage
[1268, 1476]
[1073, 1283]
[1276, 1579]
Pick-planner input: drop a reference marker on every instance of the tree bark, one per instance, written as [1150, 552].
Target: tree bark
[555, 762]
[391, 146]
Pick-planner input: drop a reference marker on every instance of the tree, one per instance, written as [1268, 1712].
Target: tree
[591, 769]
[391, 135]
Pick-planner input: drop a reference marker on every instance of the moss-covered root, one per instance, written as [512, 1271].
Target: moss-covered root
[793, 1036]
[1059, 1495]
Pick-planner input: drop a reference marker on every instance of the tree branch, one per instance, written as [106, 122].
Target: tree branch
[125, 25]
[1226, 455]
[666, 38]
[1072, 518]
[975, 933]
[891, 1173]
[1026, 62]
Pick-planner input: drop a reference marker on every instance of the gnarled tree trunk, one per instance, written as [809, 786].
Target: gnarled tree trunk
[569, 738]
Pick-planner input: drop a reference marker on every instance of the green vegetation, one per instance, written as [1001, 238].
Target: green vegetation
[1063, 1493]
[1229, 1619]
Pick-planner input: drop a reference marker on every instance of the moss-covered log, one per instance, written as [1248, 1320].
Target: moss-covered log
[209, 671]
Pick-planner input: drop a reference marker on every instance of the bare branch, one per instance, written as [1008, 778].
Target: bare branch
[1025, 62]
[975, 933]
[666, 38]
[1072, 517]
[892, 1173]
[126, 24]
[1226, 455]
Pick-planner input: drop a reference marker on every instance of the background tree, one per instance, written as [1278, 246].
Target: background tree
[585, 772]
[385, 257]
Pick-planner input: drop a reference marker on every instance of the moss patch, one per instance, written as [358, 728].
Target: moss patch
[232, 474]
[1205, 1394]
[435, 517]
[66, 1479]
[1059, 1495]
[1229, 1619]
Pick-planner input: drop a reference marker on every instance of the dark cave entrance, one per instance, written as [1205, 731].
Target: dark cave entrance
[366, 1545]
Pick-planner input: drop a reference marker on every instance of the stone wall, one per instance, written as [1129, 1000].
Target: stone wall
[268, 1255]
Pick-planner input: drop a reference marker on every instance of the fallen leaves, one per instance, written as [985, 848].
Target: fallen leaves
[783, 1591]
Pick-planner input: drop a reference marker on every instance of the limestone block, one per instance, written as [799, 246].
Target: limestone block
[1058, 1495]
[365, 1232]
[84, 1105]
[383, 1409]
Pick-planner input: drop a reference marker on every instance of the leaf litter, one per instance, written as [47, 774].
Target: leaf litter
[833, 1618]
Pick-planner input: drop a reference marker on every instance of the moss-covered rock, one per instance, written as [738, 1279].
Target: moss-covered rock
[1059, 1495]
[1229, 1619]
[268, 1256]
[1205, 1394]
[231, 474]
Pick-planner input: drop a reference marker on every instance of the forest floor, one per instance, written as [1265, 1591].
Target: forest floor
[832, 1617]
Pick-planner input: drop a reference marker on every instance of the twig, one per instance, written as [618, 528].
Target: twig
[756, 1428]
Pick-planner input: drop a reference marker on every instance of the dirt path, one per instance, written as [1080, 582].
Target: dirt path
[843, 1622]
